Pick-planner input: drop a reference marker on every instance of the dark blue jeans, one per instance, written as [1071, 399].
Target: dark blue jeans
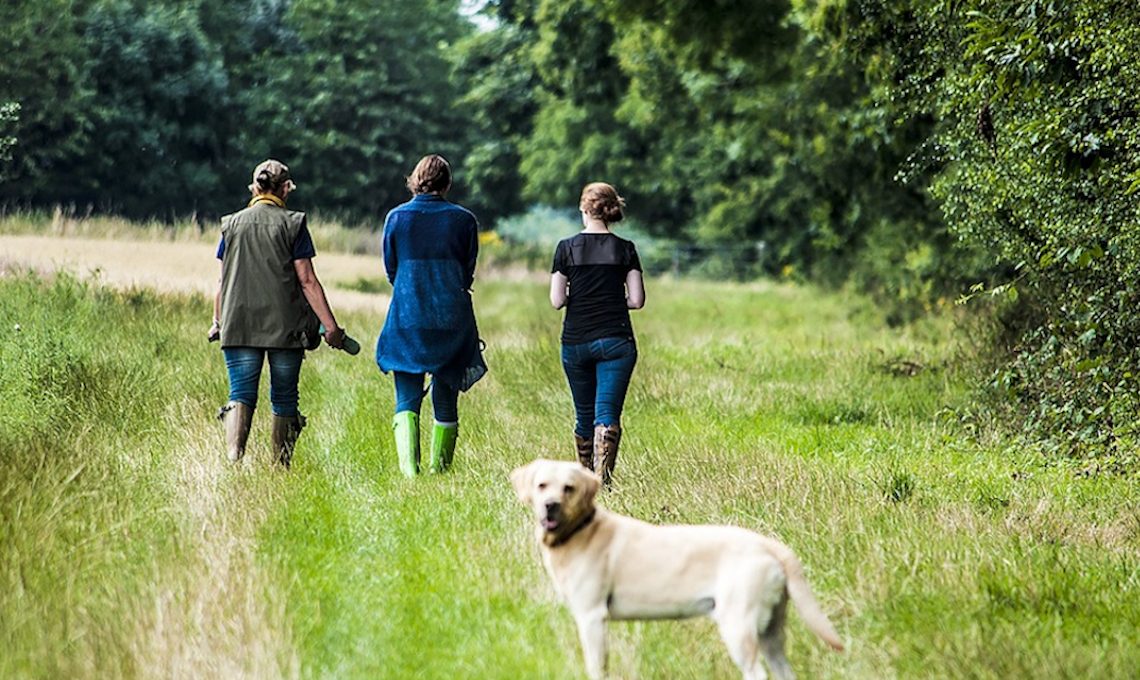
[410, 395]
[244, 367]
[598, 372]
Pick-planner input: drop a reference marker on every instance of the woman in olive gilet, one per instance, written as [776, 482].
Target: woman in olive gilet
[267, 296]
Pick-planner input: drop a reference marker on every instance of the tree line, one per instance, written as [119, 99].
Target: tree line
[920, 150]
[160, 109]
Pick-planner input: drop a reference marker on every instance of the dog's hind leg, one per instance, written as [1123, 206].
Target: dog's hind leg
[743, 642]
[772, 641]
[772, 646]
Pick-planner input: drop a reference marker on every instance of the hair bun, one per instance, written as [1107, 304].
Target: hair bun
[269, 176]
[612, 213]
[601, 201]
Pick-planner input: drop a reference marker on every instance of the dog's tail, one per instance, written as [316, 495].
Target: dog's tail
[801, 595]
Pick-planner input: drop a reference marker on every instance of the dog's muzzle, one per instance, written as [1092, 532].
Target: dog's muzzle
[553, 516]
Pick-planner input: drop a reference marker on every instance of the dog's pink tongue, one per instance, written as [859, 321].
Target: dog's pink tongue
[549, 524]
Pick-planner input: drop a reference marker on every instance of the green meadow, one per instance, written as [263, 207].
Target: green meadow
[130, 548]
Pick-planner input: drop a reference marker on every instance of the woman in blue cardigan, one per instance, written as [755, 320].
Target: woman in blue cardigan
[430, 247]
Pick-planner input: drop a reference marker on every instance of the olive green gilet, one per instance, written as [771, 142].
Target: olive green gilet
[262, 301]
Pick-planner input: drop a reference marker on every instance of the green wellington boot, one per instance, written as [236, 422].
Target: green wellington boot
[406, 427]
[443, 438]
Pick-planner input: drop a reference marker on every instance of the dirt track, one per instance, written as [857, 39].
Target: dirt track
[176, 267]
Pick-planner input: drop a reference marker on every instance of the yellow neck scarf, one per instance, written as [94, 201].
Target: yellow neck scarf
[267, 198]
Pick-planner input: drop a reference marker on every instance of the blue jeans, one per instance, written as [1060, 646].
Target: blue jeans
[410, 394]
[244, 367]
[598, 372]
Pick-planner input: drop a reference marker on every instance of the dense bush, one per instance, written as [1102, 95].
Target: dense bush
[1034, 156]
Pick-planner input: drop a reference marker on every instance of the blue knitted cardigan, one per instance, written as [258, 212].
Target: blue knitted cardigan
[430, 247]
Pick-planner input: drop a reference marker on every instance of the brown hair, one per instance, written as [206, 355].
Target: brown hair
[269, 177]
[601, 201]
[431, 175]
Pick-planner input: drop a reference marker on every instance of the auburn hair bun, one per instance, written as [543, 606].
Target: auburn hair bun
[602, 202]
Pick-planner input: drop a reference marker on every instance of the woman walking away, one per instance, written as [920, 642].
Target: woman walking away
[597, 277]
[266, 301]
[430, 247]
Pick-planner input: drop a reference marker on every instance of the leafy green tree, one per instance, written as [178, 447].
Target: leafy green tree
[730, 123]
[9, 116]
[44, 70]
[356, 99]
[498, 81]
[162, 108]
[158, 110]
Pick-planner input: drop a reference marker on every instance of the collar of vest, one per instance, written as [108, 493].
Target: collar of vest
[266, 198]
[582, 524]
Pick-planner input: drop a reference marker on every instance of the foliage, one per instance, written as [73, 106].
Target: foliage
[359, 95]
[9, 115]
[497, 81]
[160, 109]
[160, 94]
[1034, 156]
[44, 70]
[730, 124]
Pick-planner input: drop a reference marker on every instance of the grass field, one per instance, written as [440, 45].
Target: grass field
[130, 548]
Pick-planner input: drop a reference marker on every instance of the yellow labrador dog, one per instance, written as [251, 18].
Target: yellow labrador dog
[607, 566]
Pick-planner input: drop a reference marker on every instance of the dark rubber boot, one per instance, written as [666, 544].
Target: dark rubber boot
[585, 447]
[237, 418]
[286, 429]
[606, 440]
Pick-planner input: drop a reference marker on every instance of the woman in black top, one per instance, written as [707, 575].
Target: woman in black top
[597, 277]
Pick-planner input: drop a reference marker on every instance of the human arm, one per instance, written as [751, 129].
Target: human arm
[215, 332]
[472, 254]
[315, 294]
[559, 290]
[634, 283]
[634, 290]
[388, 249]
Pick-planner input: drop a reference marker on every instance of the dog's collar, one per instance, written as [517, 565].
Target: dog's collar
[582, 524]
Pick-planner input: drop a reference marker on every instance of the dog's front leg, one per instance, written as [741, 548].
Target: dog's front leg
[592, 633]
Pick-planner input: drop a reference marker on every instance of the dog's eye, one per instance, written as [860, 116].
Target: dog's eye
[568, 489]
[542, 486]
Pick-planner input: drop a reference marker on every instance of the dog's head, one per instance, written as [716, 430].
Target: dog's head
[561, 494]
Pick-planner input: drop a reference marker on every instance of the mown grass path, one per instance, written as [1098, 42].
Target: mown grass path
[130, 548]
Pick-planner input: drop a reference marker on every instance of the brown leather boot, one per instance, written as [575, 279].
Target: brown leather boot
[606, 439]
[286, 429]
[585, 447]
[236, 417]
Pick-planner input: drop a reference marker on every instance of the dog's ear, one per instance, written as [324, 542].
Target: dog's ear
[521, 479]
[591, 483]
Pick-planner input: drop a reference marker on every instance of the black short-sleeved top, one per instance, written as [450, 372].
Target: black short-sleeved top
[596, 266]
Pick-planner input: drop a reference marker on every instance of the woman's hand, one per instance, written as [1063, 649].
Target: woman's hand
[335, 338]
[215, 332]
